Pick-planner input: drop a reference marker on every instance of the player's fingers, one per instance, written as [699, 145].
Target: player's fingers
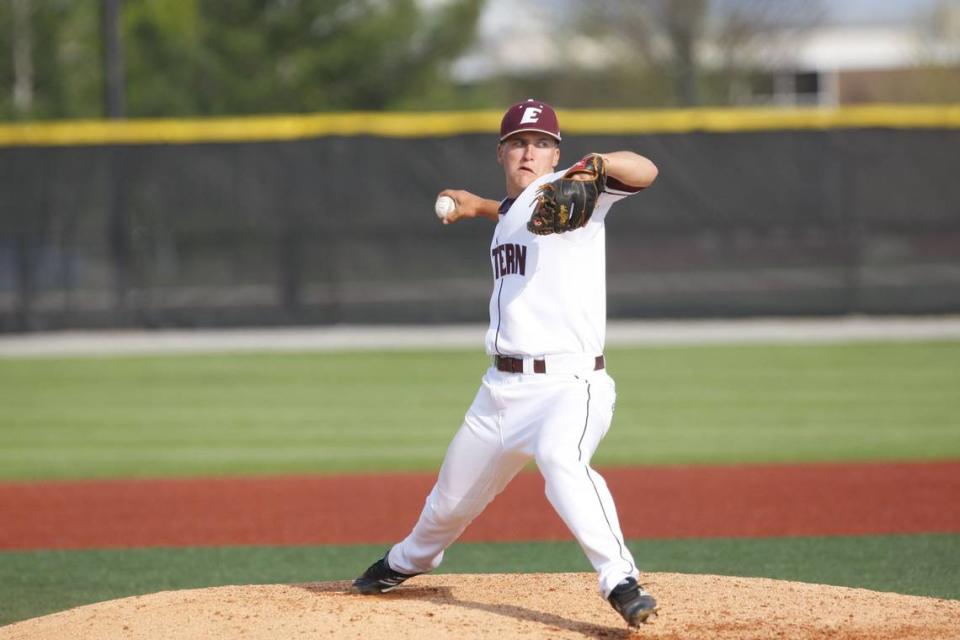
[452, 193]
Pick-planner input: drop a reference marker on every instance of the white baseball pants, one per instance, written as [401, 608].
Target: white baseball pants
[556, 419]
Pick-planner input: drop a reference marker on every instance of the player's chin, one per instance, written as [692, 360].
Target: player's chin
[523, 178]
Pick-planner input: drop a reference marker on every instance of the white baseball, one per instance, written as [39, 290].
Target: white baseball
[444, 206]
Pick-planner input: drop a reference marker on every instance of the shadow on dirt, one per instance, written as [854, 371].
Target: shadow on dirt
[444, 596]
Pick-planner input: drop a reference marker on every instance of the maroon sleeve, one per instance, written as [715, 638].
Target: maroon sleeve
[614, 185]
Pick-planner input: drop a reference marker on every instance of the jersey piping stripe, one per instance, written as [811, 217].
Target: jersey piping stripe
[586, 422]
[454, 123]
[586, 468]
[607, 518]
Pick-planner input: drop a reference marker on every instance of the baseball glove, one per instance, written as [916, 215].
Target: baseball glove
[567, 203]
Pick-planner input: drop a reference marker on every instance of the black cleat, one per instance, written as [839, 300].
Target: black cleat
[379, 578]
[632, 602]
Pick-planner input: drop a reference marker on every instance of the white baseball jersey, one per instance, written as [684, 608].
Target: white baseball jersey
[549, 292]
[549, 301]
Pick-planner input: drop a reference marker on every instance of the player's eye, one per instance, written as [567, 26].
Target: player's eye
[542, 143]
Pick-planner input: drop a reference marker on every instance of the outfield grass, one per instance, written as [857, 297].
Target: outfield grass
[339, 412]
[40, 582]
[353, 412]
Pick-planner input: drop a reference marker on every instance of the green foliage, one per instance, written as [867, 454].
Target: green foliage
[163, 43]
[334, 412]
[39, 582]
[186, 57]
[65, 61]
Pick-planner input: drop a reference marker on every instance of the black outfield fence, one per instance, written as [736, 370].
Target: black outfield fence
[151, 225]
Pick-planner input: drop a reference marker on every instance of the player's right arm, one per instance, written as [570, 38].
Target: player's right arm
[470, 205]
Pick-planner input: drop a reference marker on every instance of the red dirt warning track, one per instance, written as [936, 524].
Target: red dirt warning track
[656, 502]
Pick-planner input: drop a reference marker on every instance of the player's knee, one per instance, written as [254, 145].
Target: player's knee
[445, 508]
[555, 460]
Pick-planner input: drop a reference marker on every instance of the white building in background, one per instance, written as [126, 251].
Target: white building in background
[885, 60]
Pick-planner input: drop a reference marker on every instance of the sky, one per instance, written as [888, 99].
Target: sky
[501, 11]
[870, 10]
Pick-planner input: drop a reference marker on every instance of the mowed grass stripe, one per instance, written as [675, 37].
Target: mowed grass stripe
[369, 412]
[37, 583]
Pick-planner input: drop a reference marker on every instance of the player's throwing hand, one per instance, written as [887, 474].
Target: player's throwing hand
[467, 205]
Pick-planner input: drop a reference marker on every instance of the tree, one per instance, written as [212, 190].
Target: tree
[191, 57]
[679, 40]
[48, 59]
[22, 54]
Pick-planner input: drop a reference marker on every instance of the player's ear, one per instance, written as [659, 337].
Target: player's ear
[499, 153]
[556, 156]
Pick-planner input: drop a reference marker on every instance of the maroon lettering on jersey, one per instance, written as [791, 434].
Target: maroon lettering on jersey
[521, 257]
[509, 258]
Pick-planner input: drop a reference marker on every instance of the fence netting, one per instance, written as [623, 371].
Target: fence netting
[340, 229]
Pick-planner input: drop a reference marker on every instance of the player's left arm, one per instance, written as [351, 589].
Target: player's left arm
[630, 169]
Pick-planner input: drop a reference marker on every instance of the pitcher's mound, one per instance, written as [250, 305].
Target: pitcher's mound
[505, 606]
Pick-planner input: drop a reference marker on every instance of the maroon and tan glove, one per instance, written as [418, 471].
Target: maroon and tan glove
[568, 202]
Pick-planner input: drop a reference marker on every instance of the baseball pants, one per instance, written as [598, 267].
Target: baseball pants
[558, 420]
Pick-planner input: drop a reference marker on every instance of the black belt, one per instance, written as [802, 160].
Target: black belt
[515, 365]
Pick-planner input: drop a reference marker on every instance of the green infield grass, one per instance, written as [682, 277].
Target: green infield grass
[397, 410]
[40, 582]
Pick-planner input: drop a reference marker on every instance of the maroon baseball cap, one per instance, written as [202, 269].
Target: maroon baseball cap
[530, 115]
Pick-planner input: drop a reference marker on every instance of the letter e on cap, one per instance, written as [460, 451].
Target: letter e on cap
[530, 115]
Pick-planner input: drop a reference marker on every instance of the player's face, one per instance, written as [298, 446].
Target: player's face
[525, 157]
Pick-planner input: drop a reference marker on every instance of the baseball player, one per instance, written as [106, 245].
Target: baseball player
[547, 395]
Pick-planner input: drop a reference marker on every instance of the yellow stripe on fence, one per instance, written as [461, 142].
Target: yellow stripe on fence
[757, 119]
[440, 124]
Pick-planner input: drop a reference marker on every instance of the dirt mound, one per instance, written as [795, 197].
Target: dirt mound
[506, 606]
